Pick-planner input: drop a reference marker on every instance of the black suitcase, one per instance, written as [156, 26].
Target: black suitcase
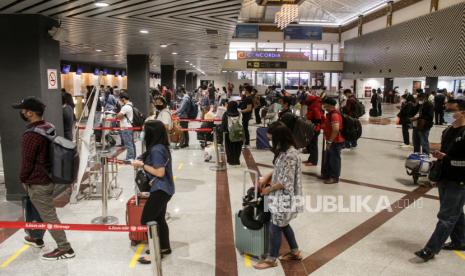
[373, 113]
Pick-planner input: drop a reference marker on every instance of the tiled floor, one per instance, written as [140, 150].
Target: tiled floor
[378, 162]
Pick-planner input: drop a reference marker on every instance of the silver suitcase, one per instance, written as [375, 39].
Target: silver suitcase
[248, 241]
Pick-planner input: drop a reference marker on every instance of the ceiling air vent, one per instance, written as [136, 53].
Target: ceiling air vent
[212, 32]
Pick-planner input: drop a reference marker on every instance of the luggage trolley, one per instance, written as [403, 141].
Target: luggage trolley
[418, 165]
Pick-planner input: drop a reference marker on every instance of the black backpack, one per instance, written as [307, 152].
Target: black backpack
[359, 109]
[351, 128]
[138, 117]
[193, 109]
[64, 157]
[302, 130]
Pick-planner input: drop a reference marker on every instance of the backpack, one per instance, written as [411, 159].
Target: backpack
[138, 118]
[64, 157]
[351, 128]
[235, 129]
[359, 109]
[302, 130]
[193, 109]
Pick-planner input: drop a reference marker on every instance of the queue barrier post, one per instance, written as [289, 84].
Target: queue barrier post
[220, 164]
[154, 245]
[105, 219]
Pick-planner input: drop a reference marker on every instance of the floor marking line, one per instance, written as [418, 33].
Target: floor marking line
[460, 254]
[180, 166]
[174, 178]
[247, 261]
[14, 256]
[136, 256]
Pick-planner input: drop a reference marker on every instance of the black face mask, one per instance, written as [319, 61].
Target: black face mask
[159, 107]
[23, 116]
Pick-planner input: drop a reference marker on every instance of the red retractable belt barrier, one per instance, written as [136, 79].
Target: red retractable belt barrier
[197, 129]
[198, 120]
[114, 128]
[71, 227]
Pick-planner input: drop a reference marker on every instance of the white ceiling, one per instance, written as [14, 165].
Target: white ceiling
[115, 29]
[325, 12]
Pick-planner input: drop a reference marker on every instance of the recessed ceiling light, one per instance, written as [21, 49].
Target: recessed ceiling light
[187, 61]
[193, 66]
[101, 4]
[174, 53]
[163, 45]
[143, 31]
[116, 55]
[98, 50]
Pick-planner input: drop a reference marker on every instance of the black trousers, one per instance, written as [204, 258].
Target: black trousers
[258, 119]
[233, 151]
[406, 133]
[439, 116]
[313, 149]
[185, 134]
[245, 125]
[155, 210]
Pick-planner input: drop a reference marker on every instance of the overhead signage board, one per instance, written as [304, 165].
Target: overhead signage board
[303, 33]
[273, 55]
[247, 31]
[266, 64]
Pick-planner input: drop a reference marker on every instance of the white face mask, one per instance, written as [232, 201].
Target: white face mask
[449, 117]
[421, 102]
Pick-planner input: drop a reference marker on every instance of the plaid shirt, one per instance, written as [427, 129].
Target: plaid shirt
[35, 156]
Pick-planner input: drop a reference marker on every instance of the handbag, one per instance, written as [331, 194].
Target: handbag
[142, 180]
[435, 174]
[175, 133]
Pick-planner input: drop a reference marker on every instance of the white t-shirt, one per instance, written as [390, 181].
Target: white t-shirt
[127, 111]
[164, 116]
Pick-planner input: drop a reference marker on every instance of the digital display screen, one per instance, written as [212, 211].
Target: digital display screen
[65, 69]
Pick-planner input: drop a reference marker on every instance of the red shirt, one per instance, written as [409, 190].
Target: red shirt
[332, 118]
[35, 156]
[314, 112]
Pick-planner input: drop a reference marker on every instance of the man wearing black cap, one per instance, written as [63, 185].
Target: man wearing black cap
[422, 123]
[451, 187]
[34, 176]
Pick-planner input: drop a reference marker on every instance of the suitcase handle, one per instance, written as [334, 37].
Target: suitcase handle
[255, 183]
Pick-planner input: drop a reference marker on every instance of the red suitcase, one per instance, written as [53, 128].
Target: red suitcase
[133, 216]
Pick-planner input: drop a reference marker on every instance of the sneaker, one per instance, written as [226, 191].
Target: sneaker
[451, 246]
[425, 254]
[58, 254]
[404, 146]
[37, 243]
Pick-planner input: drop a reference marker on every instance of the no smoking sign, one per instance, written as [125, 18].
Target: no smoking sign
[52, 79]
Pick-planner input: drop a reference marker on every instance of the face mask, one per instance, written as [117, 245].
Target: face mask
[142, 135]
[421, 102]
[23, 116]
[278, 106]
[449, 117]
[159, 107]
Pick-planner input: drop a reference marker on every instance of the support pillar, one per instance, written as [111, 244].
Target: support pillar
[194, 82]
[190, 82]
[431, 84]
[360, 25]
[389, 13]
[139, 81]
[167, 76]
[26, 53]
[180, 79]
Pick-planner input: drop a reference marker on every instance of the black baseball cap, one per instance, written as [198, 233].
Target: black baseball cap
[330, 101]
[32, 104]
[459, 102]
[124, 95]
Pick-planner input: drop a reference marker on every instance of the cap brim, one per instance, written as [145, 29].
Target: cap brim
[18, 106]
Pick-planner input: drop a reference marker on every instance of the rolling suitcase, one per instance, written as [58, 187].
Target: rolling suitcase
[248, 241]
[262, 139]
[134, 209]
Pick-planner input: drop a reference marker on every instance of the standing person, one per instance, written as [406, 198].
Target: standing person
[422, 123]
[350, 110]
[451, 187]
[35, 164]
[314, 114]
[223, 97]
[331, 170]
[110, 101]
[257, 106]
[168, 98]
[126, 116]
[375, 103]
[182, 113]
[285, 103]
[233, 149]
[68, 115]
[157, 164]
[246, 110]
[205, 104]
[162, 113]
[230, 89]
[439, 105]
[407, 111]
[285, 186]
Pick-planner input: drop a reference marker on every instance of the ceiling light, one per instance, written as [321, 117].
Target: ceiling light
[116, 55]
[174, 53]
[98, 50]
[143, 31]
[101, 4]
[193, 66]
[187, 61]
[163, 45]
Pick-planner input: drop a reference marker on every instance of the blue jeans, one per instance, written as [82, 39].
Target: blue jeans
[276, 236]
[128, 141]
[332, 163]
[451, 217]
[420, 141]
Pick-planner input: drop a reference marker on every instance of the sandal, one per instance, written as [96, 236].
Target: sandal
[265, 264]
[290, 256]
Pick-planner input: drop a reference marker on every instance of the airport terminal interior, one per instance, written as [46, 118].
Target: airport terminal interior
[232, 137]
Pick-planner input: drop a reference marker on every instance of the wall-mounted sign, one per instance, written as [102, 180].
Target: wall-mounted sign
[273, 55]
[52, 79]
[266, 65]
[303, 33]
[246, 31]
